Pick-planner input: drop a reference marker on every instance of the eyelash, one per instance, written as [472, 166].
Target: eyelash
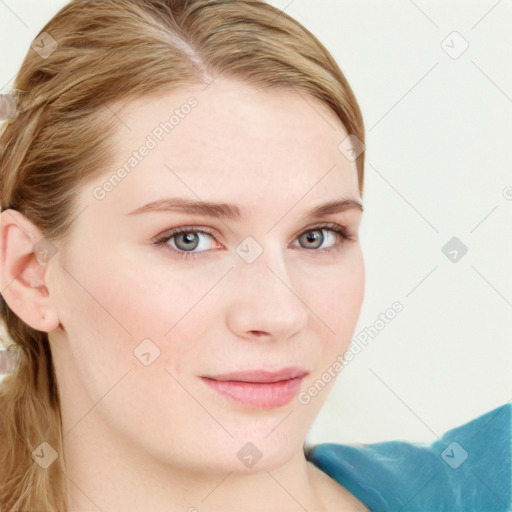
[162, 239]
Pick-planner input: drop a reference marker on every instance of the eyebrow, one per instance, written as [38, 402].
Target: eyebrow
[232, 212]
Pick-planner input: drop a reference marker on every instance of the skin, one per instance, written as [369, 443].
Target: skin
[156, 437]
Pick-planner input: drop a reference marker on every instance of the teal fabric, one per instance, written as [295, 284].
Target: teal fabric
[468, 469]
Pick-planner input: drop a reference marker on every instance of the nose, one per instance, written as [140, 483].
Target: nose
[265, 302]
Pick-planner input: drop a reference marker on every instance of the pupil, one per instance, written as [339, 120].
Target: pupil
[315, 236]
[190, 238]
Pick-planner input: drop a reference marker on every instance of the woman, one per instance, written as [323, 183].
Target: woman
[181, 195]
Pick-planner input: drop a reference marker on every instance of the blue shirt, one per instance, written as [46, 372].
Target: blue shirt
[468, 469]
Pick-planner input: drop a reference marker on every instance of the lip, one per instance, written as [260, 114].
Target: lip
[258, 388]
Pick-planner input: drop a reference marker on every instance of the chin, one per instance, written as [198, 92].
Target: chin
[250, 450]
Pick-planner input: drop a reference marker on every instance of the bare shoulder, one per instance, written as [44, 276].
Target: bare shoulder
[334, 496]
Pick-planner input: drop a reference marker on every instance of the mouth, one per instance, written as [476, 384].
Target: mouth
[260, 389]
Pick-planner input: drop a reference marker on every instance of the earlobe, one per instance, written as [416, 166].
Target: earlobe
[23, 275]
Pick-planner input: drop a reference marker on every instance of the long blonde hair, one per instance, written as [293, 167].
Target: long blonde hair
[98, 53]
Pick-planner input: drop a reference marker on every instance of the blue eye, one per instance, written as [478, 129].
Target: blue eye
[317, 237]
[187, 242]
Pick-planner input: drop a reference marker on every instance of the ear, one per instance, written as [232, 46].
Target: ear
[24, 261]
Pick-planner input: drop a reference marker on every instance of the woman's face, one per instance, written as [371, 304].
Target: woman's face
[154, 325]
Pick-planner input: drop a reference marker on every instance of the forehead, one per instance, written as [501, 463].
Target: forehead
[229, 142]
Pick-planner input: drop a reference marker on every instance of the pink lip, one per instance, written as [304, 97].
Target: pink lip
[259, 388]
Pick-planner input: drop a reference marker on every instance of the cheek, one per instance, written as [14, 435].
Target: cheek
[162, 310]
[336, 303]
[134, 299]
[337, 299]
[109, 312]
